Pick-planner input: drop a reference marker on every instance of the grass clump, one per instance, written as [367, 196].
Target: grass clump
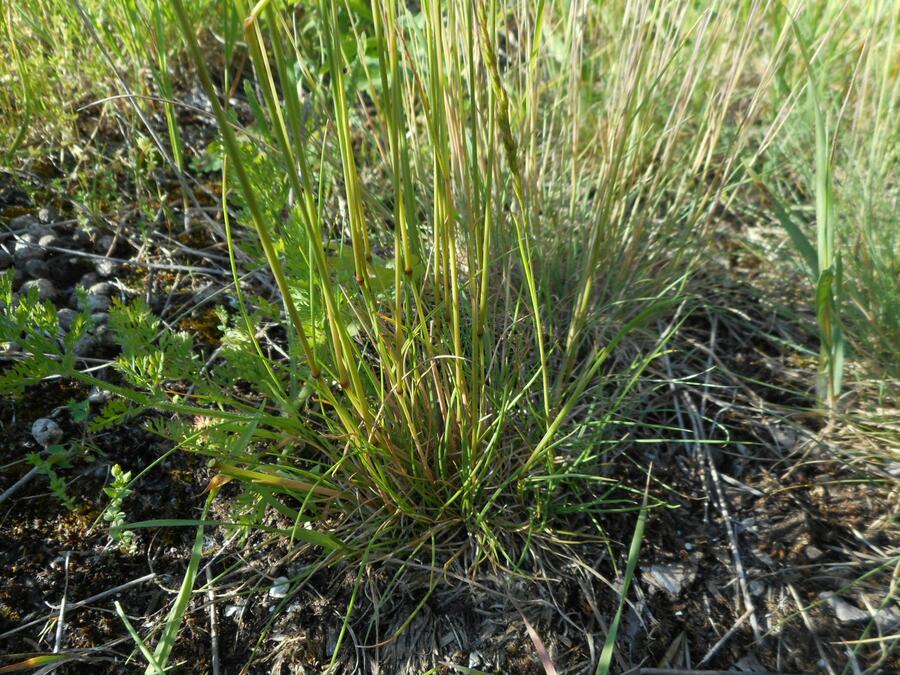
[479, 219]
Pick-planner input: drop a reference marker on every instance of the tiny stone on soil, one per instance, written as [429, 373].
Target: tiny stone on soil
[104, 244]
[46, 214]
[280, 588]
[886, 618]
[45, 288]
[97, 303]
[26, 250]
[85, 346]
[101, 288]
[46, 432]
[21, 222]
[98, 395]
[669, 578]
[812, 552]
[48, 240]
[66, 317]
[35, 268]
[105, 268]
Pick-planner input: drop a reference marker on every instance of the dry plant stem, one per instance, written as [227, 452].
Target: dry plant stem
[812, 630]
[213, 622]
[732, 537]
[722, 640]
[18, 485]
[61, 619]
[82, 603]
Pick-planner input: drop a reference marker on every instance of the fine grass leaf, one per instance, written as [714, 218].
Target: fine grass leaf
[152, 664]
[634, 551]
[176, 614]
[801, 242]
[35, 662]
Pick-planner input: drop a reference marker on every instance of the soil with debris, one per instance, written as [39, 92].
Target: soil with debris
[770, 559]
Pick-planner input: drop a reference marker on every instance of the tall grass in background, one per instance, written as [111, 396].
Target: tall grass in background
[839, 151]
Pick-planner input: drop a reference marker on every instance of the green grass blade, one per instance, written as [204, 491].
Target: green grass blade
[152, 664]
[176, 614]
[634, 551]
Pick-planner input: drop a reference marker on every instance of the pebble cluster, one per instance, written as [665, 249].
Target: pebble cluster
[49, 257]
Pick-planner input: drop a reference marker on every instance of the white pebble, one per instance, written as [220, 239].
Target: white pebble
[280, 588]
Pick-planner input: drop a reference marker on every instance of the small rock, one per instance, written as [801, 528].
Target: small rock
[104, 244]
[48, 240]
[100, 318]
[46, 214]
[97, 303]
[85, 346]
[89, 280]
[749, 664]
[104, 336]
[46, 432]
[35, 268]
[756, 587]
[475, 659]
[886, 618]
[27, 250]
[98, 395]
[66, 317]
[6, 260]
[669, 578]
[101, 288]
[105, 268]
[45, 288]
[280, 588]
[813, 553]
[22, 222]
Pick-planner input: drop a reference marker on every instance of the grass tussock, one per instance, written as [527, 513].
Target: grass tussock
[483, 224]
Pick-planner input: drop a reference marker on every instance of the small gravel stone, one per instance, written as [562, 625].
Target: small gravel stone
[813, 553]
[756, 587]
[100, 318]
[48, 240]
[105, 268]
[35, 268]
[27, 250]
[66, 317]
[101, 288]
[23, 222]
[46, 214]
[104, 336]
[97, 303]
[280, 588]
[46, 432]
[97, 395]
[45, 288]
[669, 578]
[104, 244]
[85, 346]
[88, 280]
